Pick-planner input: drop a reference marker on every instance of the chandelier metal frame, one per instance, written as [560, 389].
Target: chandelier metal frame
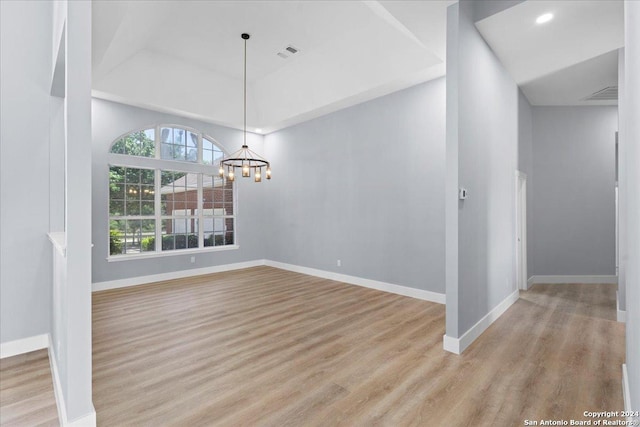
[244, 159]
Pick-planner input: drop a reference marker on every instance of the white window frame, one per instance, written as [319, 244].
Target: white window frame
[158, 164]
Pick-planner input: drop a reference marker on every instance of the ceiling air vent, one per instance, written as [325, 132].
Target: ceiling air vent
[288, 51]
[609, 93]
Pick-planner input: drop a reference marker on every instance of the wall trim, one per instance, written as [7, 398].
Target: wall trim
[57, 385]
[592, 279]
[24, 345]
[353, 280]
[451, 344]
[625, 388]
[626, 394]
[458, 345]
[360, 281]
[88, 420]
[621, 315]
[142, 280]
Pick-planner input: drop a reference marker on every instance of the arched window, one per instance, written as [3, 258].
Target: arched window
[165, 195]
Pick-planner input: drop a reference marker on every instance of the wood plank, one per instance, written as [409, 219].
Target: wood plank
[263, 346]
[26, 391]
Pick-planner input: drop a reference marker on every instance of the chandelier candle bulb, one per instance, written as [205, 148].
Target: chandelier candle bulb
[268, 173]
[245, 171]
[257, 175]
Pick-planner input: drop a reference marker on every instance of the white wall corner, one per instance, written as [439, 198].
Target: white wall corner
[458, 345]
[590, 279]
[24, 345]
[142, 280]
[359, 281]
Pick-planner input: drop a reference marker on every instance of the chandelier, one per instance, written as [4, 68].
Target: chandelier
[244, 159]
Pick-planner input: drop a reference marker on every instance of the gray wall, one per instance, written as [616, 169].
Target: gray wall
[110, 121]
[364, 185]
[632, 140]
[574, 192]
[25, 264]
[482, 126]
[622, 187]
[525, 164]
[56, 164]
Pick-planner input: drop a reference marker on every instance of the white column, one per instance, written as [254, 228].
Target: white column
[77, 379]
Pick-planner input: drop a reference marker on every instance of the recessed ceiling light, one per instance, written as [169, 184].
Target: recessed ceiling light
[544, 18]
[258, 130]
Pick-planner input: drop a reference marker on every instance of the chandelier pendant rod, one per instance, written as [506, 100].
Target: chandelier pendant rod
[245, 91]
[244, 159]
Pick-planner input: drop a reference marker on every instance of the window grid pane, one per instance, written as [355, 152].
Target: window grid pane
[179, 233]
[217, 214]
[178, 144]
[134, 222]
[179, 207]
[129, 198]
[141, 143]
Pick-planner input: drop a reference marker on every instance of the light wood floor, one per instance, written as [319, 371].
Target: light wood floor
[26, 391]
[267, 347]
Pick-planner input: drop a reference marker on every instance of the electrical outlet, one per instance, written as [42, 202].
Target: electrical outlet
[339, 263]
[193, 259]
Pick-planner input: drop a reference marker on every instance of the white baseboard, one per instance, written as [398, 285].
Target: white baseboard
[359, 281]
[354, 280]
[57, 385]
[88, 420]
[625, 388]
[621, 315]
[573, 279]
[626, 396]
[141, 280]
[451, 344]
[458, 345]
[24, 345]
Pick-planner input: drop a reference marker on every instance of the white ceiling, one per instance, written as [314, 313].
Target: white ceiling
[562, 61]
[185, 57]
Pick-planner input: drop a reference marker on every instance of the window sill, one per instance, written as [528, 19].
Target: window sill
[178, 252]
